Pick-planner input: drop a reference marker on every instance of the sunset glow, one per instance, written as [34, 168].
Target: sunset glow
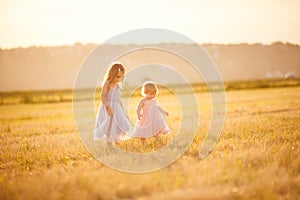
[42, 22]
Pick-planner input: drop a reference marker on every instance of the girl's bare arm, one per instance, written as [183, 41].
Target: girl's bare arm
[138, 110]
[163, 111]
[103, 96]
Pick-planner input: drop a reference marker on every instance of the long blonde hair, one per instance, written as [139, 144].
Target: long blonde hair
[113, 71]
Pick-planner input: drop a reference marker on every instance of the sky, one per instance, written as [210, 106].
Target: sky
[26, 23]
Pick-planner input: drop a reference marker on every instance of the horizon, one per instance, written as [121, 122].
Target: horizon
[60, 23]
[116, 44]
[31, 68]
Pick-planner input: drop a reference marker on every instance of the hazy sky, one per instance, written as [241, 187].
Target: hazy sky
[55, 22]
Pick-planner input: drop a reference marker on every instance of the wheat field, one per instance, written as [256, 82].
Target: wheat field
[256, 157]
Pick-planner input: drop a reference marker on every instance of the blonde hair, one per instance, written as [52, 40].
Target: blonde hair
[113, 71]
[149, 87]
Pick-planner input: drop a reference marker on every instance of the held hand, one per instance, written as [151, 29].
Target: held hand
[166, 113]
[109, 110]
[140, 116]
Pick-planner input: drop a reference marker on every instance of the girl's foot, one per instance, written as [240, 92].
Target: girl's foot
[157, 138]
[117, 142]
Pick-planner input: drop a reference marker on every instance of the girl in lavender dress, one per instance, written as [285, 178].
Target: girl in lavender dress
[112, 123]
[150, 120]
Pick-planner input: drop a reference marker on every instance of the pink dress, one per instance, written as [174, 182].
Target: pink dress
[111, 128]
[152, 121]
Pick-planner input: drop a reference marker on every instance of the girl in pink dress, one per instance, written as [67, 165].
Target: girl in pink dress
[112, 122]
[150, 120]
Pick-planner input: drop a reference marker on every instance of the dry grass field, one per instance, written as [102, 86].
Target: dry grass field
[256, 157]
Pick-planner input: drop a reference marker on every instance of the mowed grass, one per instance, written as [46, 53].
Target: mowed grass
[256, 157]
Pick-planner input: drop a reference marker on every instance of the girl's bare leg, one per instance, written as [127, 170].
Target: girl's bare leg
[157, 137]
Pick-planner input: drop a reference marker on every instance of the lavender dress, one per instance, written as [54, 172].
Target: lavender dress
[111, 128]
